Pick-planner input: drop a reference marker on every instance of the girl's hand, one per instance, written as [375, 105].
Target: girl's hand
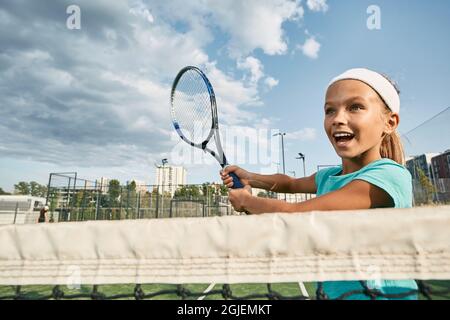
[239, 198]
[242, 174]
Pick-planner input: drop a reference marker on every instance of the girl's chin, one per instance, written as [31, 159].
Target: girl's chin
[348, 154]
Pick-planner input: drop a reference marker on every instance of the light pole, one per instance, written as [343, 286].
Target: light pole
[301, 156]
[282, 152]
[164, 162]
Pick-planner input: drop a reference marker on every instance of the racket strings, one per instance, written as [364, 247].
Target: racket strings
[191, 107]
[193, 114]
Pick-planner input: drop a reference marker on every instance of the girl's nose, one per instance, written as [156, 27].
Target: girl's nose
[340, 118]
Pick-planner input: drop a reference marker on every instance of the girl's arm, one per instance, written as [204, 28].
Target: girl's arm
[358, 194]
[276, 182]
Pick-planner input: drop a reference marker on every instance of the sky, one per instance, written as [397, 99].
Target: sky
[87, 89]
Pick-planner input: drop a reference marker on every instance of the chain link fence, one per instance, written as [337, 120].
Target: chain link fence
[427, 147]
[73, 199]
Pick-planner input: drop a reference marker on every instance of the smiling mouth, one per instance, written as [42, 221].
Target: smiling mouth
[343, 141]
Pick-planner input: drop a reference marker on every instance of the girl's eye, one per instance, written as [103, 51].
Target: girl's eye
[328, 111]
[356, 107]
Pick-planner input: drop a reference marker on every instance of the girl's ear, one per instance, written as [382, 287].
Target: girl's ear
[392, 123]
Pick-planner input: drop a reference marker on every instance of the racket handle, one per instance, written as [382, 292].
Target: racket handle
[237, 184]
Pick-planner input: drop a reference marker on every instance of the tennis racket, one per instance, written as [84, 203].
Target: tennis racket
[194, 114]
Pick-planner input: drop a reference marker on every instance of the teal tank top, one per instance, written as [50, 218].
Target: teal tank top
[396, 180]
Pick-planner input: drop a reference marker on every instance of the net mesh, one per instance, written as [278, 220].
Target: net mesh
[287, 256]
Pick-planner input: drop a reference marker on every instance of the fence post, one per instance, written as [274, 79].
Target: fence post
[48, 188]
[15, 212]
[68, 194]
[203, 207]
[139, 205]
[151, 196]
[120, 204]
[83, 201]
[98, 200]
[157, 204]
[128, 200]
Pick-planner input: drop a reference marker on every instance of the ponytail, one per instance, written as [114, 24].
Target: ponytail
[392, 148]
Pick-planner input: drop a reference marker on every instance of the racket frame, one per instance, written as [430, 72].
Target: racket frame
[219, 154]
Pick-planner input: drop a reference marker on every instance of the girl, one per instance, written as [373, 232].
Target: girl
[361, 116]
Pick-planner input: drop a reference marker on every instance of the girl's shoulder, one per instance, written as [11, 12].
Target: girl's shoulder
[383, 169]
[386, 167]
[392, 177]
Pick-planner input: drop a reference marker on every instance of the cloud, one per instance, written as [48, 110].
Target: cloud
[271, 82]
[256, 72]
[306, 134]
[99, 96]
[310, 48]
[254, 66]
[256, 24]
[143, 12]
[317, 5]
[250, 24]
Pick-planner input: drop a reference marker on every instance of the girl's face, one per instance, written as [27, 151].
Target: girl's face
[354, 120]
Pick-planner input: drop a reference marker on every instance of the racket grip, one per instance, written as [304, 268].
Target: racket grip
[237, 184]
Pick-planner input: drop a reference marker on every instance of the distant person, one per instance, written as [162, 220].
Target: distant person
[43, 215]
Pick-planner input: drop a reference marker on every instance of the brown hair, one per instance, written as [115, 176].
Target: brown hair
[391, 146]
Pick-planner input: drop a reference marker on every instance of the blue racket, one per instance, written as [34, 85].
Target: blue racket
[194, 114]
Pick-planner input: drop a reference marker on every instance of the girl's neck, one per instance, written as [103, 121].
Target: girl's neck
[355, 164]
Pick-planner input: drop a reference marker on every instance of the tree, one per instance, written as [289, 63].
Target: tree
[426, 185]
[132, 186]
[37, 190]
[223, 190]
[267, 194]
[2, 192]
[30, 188]
[131, 197]
[114, 192]
[34, 188]
[42, 191]
[22, 188]
[189, 191]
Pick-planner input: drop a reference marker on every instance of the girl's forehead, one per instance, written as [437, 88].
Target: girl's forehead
[345, 89]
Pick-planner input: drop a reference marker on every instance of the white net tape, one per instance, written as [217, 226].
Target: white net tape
[317, 246]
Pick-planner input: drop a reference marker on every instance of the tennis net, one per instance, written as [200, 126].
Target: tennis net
[271, 256]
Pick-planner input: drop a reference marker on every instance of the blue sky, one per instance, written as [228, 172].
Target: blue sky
[96, 100]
